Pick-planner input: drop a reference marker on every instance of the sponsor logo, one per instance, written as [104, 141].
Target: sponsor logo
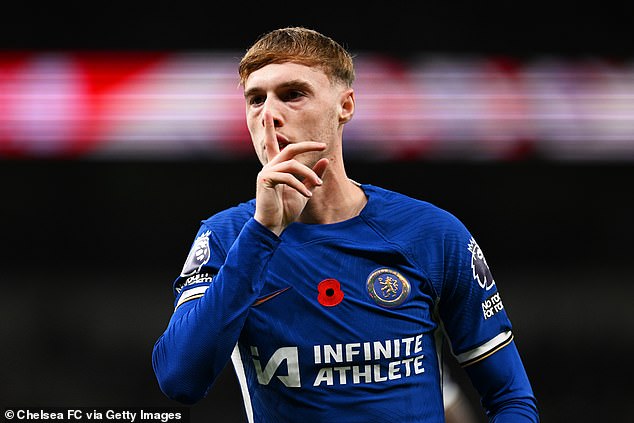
[289, 355]
[492, 305]
[342, 364]
[368, 362]
[387, 287]
[198, 255]
[479, 267]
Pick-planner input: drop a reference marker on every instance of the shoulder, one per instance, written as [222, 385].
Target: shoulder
[398, 212]
[229, 222]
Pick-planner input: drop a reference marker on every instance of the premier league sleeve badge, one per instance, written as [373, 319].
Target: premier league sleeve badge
[479, 267]
[198, 255]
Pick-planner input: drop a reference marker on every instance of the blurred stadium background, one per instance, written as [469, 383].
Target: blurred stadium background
[122, 126]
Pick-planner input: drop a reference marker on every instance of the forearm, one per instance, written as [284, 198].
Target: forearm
[504, 387]
[202, 333]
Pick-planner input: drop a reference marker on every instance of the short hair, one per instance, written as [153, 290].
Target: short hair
[298, 45]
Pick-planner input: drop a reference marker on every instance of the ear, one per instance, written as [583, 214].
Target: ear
[347, 106]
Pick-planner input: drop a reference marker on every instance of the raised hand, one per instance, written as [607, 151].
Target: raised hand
[284, 185]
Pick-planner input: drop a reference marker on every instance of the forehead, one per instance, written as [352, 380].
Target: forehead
[277, 74]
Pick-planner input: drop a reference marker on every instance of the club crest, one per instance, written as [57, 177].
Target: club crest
[479, 267]
[198, 255]
[387, 287]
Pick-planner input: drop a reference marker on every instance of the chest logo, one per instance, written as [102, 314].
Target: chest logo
[387, 287]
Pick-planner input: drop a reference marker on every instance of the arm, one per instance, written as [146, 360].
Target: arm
[480, 331]
[504, 387]
[202, 333]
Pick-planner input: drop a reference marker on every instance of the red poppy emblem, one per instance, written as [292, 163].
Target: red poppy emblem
[330, 293]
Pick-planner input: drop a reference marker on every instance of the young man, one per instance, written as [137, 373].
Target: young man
[328, 295]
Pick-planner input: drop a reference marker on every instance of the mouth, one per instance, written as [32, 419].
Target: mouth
[282, 142]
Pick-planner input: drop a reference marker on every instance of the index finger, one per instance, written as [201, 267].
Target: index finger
[270, 138]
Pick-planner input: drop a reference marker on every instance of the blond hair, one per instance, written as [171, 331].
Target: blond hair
[298, 45]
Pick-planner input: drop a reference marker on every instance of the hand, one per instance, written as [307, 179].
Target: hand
[285, 185]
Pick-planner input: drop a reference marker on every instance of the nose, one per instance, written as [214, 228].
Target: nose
[269, 106]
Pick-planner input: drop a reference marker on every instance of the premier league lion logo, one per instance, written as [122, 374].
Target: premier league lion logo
[198, 255]
[479, 266]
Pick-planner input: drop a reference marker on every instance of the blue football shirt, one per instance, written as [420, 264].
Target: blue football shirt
[340, 322]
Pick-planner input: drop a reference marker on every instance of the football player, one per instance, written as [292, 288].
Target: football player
[331, 297]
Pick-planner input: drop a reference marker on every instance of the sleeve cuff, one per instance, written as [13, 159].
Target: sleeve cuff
[483, 351]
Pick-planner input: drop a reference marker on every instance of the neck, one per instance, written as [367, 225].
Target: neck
[338, 199]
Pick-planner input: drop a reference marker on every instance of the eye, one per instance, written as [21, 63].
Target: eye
[256, 100]
[293, 95]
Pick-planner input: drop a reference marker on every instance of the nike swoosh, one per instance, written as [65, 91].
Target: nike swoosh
[274, 294]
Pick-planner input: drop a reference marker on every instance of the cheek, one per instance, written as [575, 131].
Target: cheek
[256, 132]
[322, 122]
[253, 133]
[254, 128]
[250, 120]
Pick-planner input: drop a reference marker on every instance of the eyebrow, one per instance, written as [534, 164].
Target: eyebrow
[294, 83]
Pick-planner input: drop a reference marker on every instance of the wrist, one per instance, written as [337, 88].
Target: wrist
[276, 229]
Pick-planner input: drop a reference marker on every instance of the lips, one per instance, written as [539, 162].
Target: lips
[282, 142]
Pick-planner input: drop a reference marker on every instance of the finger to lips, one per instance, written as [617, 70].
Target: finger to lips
[270, 138]
[272, 148]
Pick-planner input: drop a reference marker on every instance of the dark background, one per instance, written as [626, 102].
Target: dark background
[89, 248]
